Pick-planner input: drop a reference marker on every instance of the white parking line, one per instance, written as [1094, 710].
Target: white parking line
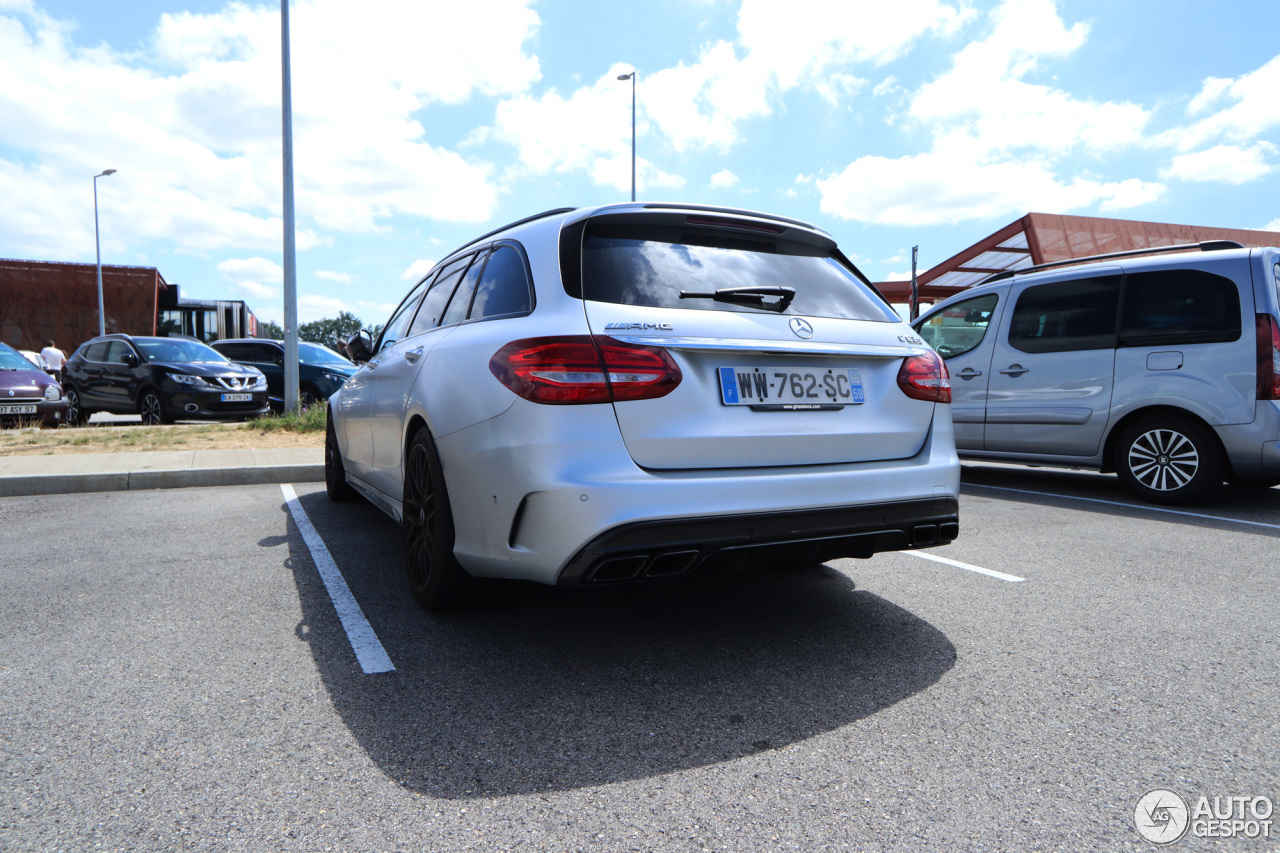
[364, 642]
[959, 565]
[1144, 507]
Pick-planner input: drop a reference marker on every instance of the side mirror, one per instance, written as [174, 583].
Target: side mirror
[360, 347]
[130, 359]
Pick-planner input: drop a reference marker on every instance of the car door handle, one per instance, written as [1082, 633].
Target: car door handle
[413, 355]
[1015, 370]
[969, 373]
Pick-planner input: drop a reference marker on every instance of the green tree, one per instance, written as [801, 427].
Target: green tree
[330, 332]
[270, 330]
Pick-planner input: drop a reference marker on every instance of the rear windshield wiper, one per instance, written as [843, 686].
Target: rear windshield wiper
[756, 296]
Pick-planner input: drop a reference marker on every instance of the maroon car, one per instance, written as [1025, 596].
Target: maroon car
[28, 394]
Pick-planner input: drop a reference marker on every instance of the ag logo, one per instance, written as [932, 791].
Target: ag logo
[1161, 816]
[801, 328]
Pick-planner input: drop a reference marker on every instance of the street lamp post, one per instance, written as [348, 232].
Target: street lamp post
[632, 77]
[97, 244]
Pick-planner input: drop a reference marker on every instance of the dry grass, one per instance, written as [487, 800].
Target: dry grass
[267, 433]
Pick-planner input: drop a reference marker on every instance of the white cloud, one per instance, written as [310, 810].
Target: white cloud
[194, 127]
[255, 277]
[1255, 109]
[417, 270]
[1228, 164]
[724, 179]
[1210, 93]
[998, 139]
[340, 277]
[947, 187]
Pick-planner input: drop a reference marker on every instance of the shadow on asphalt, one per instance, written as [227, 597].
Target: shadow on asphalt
[546, 689]
[1089, 491]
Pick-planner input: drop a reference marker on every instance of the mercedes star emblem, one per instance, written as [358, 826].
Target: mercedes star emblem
[801, 328]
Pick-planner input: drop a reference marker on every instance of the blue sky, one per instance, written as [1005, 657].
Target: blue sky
[420, 124]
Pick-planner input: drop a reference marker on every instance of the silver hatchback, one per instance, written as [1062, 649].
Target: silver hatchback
[640, 391]
[1162, 368]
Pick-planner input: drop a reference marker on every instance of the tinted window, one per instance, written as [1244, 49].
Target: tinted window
[438, 297]
[958, 329]
[309, 353]
[178, 350]
[461, 301]
[118, 352]
[268, 353]
[1179, 307]
[650, 265]
[504, 286]
[399, 321]
[1066, 315]
[96, 352]
[236, 352]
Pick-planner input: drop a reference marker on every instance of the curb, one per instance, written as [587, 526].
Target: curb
[182, 478]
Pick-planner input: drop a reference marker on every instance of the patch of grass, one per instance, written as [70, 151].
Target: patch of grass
[308, 419]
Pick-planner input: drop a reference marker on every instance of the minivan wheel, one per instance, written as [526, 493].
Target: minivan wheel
[335, 473]
[1168, 460]
[151, 407]
[437, 580]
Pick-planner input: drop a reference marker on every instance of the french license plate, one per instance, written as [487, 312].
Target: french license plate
[18, 410]
[236, 398]
[788, 388]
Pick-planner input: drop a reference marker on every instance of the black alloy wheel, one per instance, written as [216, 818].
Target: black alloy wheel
[77, 415]
[437, 580]
[151, 407]
[1169, 459]
[307, 397]
[335, 473]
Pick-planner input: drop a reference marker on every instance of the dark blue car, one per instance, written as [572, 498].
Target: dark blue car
[320, 370]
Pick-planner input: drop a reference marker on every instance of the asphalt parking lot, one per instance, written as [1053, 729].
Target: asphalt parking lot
[175, 674]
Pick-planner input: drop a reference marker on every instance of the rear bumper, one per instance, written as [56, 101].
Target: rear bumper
[553, 507]
[662, 549]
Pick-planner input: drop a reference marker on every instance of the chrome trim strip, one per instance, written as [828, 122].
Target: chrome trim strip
[768, 347]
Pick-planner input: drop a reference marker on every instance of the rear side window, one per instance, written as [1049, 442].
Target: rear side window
[1167, 307]
[649, 266]
[960, 328]
[504, 287]
[1066, 315]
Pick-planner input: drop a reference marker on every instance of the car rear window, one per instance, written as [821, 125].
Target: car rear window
[650, 265]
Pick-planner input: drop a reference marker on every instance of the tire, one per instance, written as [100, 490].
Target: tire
[436, 579]
[335, 473]
[307, 397]
[1169, 459]
[77, 414]
[152, 409]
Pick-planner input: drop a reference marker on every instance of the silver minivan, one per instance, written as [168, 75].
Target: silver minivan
[1162, 368]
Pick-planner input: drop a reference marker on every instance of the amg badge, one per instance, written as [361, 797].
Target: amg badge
[637, 327]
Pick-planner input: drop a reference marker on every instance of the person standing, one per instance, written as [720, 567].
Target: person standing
[53, 359]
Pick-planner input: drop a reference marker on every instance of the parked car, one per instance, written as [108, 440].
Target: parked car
[27, 393]
[320, 369]
[161, 379]
[31, 356]
[638, 391]
[1162, 368]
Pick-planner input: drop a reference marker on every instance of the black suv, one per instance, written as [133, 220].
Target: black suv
[321, 371]
[161, 379]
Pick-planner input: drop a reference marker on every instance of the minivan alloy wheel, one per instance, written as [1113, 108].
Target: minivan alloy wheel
[1168, 460]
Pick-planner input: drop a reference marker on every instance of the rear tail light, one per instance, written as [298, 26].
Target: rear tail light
[584, 369]
[1268, 357]
[925, 377]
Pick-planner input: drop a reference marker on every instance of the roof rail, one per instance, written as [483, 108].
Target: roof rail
[1205, 246]
[541, 215]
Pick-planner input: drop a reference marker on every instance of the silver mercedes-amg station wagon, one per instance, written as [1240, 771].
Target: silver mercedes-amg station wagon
[640, 391]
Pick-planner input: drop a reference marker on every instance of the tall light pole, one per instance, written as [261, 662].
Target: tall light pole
[632, 77]
[290, 257]
[97, 244]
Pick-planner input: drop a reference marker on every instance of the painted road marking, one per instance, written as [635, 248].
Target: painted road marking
[1143, 507]
[968, 568]
[364, 642]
